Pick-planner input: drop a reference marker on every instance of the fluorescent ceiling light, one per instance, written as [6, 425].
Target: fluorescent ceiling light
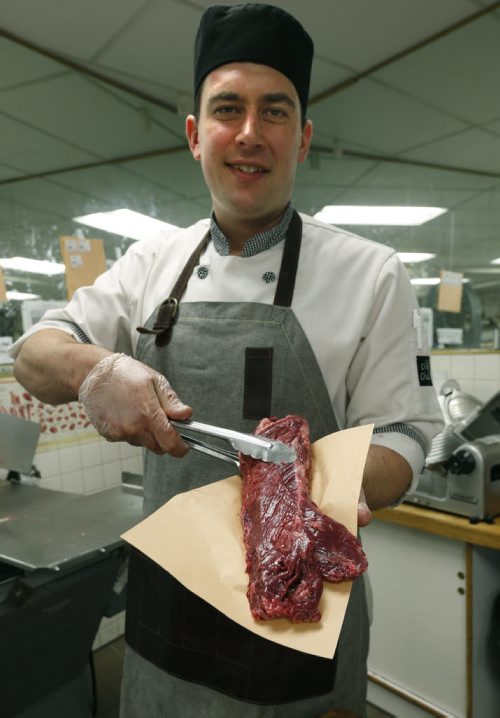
[357, 214]
[411, 257]
[425, 280]
[125, 222]
[495, 261]
[34, 266]
[432, 280]
[13, 295]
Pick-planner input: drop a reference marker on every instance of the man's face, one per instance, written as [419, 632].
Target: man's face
[249, 140]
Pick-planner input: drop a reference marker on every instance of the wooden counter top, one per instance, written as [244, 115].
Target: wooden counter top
[442, 524]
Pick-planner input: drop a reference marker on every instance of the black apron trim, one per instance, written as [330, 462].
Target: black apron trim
[289, 263]
[258, 387]
[243, 665]
[257, 395]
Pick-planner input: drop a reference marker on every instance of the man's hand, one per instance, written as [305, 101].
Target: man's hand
[364, 513]
[386, 477]
[128, 401]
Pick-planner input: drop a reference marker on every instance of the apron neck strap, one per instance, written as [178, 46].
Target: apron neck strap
[167, 312]
[289, 262]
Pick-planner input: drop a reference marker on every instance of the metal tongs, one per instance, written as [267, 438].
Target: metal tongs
[259, 447]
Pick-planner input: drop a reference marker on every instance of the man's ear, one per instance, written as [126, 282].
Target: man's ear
[192, 136]
[305, 141]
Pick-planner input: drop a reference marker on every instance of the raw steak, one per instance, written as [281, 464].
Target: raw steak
[291, 546]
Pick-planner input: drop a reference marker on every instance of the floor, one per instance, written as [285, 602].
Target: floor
[108, 663]
[108, 668]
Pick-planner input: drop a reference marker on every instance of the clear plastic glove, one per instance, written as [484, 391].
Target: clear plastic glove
[364, 513]
[128, 401]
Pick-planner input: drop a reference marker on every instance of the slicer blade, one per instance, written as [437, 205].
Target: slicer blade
[443, 445]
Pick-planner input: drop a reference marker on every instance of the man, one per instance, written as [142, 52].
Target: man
[267, 313]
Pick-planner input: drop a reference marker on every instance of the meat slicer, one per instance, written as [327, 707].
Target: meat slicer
[462, 470]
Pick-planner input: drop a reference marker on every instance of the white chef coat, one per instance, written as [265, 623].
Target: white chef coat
[352, 297]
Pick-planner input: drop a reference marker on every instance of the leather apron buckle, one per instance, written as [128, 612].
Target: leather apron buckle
[167, 311]
[165, 319]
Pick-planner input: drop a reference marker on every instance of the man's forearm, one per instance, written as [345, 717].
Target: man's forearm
[386, 477]
[52, 365]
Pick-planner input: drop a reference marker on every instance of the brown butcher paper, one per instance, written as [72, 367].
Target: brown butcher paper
[197, 537]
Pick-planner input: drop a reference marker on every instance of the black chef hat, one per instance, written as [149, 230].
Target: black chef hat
[254, 32]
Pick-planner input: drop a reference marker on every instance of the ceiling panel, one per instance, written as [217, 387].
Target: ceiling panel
[310, 199]
[378, 118]
[381, 28]
[14, 213]
[78, 29]
[393, 174]
[31, 150]
[326, 74]
[178, 172]
[145, 85]
[403, 196]
[7, 172]
[184, 212]
[453, 74]
[475, 149]
[45, 195]
[21, 226]
[19, 66]
[494, 127]
[88, 116]
[331, 171]
[162, 38]
[112, 187]
[487, 201]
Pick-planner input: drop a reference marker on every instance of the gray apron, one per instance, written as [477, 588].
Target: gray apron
[234, 363]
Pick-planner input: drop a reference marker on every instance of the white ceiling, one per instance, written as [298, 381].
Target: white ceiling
[420, 125]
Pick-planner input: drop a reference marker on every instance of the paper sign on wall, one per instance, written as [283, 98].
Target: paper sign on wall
[84, 259]
[3, 291]
[450, 292]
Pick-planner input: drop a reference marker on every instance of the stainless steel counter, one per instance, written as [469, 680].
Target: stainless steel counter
[45, 529]
[60, 555]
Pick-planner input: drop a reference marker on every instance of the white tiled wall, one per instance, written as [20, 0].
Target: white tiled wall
[87, 466]
[477, 374]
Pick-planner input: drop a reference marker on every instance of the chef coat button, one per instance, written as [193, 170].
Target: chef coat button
[269, 277]
[202, 272]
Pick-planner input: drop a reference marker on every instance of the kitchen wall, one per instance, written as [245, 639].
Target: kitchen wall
[87, 466]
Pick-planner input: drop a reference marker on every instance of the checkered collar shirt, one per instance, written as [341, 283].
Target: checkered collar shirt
[258, 243]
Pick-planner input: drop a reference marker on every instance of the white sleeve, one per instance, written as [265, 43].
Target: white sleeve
[107, 312]
[389, 382]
